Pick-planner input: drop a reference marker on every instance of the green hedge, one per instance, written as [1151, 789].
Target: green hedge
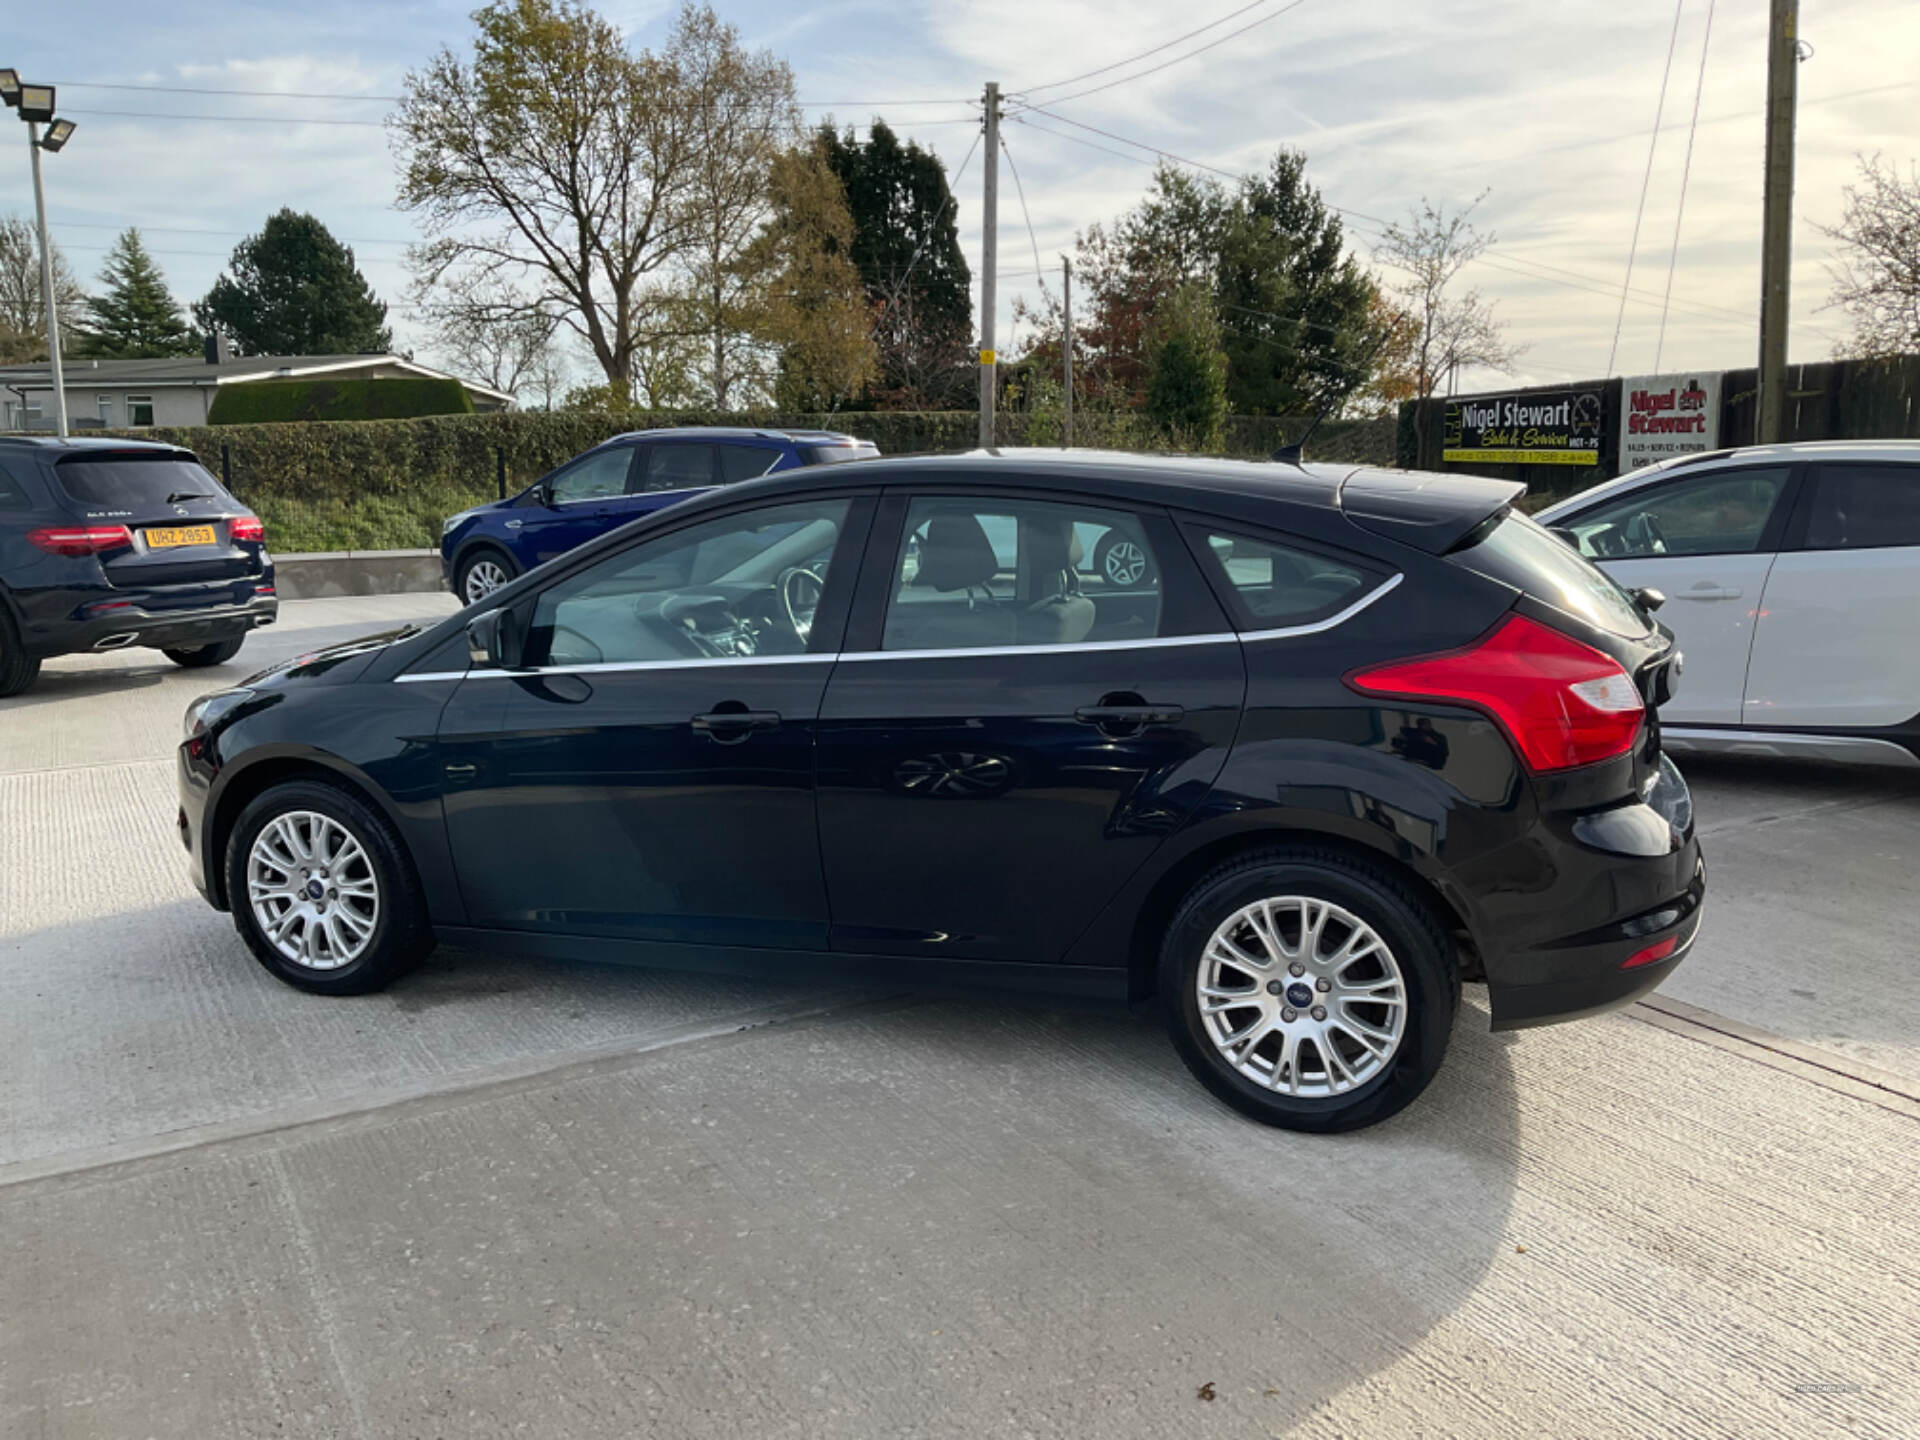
[267, 402]
[387, 484]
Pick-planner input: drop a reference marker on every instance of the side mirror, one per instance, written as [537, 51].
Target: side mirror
[494, 641]
[1648, 598]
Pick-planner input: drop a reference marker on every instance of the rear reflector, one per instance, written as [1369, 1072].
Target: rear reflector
[1655, 952]
[1561, 703]
[75, 541]
[246, 527]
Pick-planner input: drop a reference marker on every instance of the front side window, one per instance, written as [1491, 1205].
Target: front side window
[1862, 507]
[1277, 585]
[678, 467]
[733, 588]
[599, 476]
[140, 411]
[976, 574]
[1723, 513]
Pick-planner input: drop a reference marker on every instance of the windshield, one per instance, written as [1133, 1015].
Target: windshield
[136, 482]
[1518, 552]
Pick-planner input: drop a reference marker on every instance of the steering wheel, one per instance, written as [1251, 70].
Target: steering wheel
[1645, 526]
[800, 591]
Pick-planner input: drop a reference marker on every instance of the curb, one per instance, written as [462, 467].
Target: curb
[314, 576]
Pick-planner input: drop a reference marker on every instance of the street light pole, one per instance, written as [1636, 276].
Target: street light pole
[46, 285]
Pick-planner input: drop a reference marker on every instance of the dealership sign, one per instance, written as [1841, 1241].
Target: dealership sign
[1541, 427]
[1662, 416]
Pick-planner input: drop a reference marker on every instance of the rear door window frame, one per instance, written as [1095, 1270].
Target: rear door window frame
[1195, 528]
[1794, 536]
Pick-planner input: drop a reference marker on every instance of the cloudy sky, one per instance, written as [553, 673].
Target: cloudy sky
[1547, 106]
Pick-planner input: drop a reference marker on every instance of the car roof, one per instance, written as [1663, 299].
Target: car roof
[741, 432]
[1429, 511]
[1788, 453]
[84, 442]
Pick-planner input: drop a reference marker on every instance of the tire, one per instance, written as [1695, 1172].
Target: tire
[471, 579]
[1309, 1093]
[1122, 562]
[18, 670]
[201, 656]
[369, 942]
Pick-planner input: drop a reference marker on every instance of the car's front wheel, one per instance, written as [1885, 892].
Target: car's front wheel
[321, 890]
[201, 656]
[482, 573]
[1308, 989]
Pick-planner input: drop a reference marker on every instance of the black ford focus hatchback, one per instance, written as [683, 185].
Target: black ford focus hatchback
[1340, 740]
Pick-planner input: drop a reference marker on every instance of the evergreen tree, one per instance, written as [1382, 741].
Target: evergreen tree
[1186, 369]
[906, 246]
[295, 290]
[137, 317]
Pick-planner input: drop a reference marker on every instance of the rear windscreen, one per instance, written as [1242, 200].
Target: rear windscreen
[1518, 552]
[135, 482]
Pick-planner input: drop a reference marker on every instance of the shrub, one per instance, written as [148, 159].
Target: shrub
[263, 402]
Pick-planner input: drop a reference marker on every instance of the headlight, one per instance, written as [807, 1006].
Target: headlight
[446, 525]
[203, 712]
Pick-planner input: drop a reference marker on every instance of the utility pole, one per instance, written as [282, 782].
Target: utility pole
[1066, 341]
[46, 285]
[1776, 231]
[989, 263]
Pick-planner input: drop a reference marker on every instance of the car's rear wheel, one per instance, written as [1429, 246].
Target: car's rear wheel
[1122, 561]
[321, 890]
[18, 670]
[201, 656]
[1308, 989]
[482, 573]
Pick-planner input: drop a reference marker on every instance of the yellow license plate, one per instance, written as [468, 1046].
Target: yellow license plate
[172, 535]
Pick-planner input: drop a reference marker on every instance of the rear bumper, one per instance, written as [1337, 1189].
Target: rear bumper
[133, 626]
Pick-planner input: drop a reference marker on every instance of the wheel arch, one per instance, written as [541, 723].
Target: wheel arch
[1176, 882]
[239, 788]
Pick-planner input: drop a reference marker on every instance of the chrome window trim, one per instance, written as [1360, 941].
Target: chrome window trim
[1158, 642]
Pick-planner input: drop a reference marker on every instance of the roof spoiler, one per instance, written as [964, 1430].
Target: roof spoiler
[1430, 512]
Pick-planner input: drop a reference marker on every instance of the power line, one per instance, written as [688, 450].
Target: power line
[1144, 54]
[1686, 171]
[231, 119]
[1177, 59]
[1646, 180]
[396, 99]
[1021, 191]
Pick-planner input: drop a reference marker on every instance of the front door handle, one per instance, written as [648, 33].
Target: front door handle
[1710, 592]
[730, 722]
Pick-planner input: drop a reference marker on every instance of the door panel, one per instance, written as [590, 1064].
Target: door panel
[1712, 601]
[649, 776]
[1021, 743]
[581, 496]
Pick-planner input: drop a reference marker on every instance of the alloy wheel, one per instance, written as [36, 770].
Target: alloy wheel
[313, 890]
[1126, 562]
[1301, 996]
[484, 576]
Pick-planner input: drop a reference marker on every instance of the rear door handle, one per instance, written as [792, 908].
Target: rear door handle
[1710, 592]
[729, 726]
[1139, 716]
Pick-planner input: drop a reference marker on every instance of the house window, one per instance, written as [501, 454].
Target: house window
[23, 414]
[105, 402]
[139, 410]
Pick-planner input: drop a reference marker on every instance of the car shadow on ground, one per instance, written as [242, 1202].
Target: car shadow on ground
[961, 1192]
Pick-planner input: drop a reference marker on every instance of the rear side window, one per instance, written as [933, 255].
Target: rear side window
[1519, 553]
[677, 467]
[743, 462]
[127, 483]
[1275, 585]
[13, 493]
[1723, 513]
[1864, 507]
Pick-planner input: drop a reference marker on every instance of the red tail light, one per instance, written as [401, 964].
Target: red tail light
[1561, 703]
[77, 541]
[246, 527]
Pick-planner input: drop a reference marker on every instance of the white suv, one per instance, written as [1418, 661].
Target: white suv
[1792, 576]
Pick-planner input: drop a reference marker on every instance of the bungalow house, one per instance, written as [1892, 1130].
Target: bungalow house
[122, 394]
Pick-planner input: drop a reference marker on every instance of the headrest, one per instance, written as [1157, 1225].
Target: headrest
[956, 553]
[1054, 547]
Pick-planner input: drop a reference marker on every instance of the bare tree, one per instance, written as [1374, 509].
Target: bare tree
[23, 316]
[489, 333]
[1876, 276]
[1450, 327]
[741, 114]
[552, 163]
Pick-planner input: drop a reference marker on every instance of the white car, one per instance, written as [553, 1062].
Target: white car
[1792, 581]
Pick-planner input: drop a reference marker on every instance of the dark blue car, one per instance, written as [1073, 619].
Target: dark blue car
[109, 544]
[627, 477]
